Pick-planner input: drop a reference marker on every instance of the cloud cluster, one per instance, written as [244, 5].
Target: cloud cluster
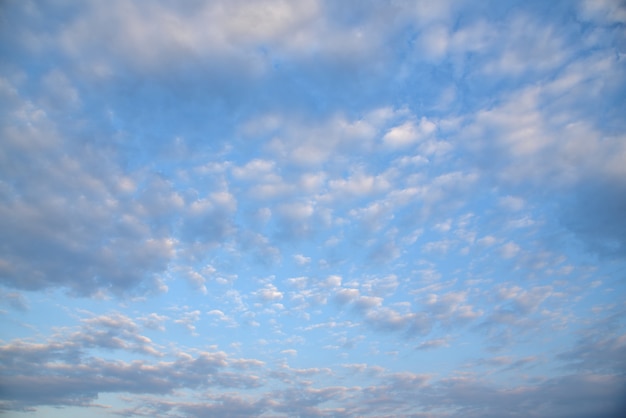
[67, 371]
[349, 208]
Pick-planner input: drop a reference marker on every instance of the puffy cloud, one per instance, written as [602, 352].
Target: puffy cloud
[110, 332]
[208, 220]
[346, 295]
[301, 259]
[70, 208]
[57, 384]
[333, 281]
[560, 150]
[154, 321]
[451, 307]
[525, 301]
[427, 167]
[188, 319]
[359, 184]
[409, 133]
[269, 293]
[184, 32]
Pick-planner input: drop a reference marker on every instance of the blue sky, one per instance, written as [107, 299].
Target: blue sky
[312, 208]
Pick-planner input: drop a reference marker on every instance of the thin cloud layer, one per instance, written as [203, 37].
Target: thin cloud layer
[309, 209]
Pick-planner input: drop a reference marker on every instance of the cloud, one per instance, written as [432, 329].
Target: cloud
[49, 381]
[510, 250]
[180, 34]
[451, 308]
[208, 220]
[432, 344]
[409, 133]
[565, 152]
[154, 321]
[301, 259]
[188, 319]
[525, 301]
[15, 300]
[115, 332]
[358, 184]
[559, 397]
[346, 295]
[61, 371]
[80, 385]
[596, 353]
[604, 11]
[528, 41]
[285, 209]
[109, 332]
[269, 293]
[74, 210]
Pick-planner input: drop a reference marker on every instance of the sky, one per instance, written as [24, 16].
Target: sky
[312, 208]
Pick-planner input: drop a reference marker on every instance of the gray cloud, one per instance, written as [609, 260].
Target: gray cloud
[70, 214]
[55, 374]
[597, 352]
[46, 374]
[15, 300]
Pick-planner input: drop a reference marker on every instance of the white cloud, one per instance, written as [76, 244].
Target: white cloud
[487, 241]
[301, 259]
[435, 42]
[452, 307]
[528, 46]
[269, 293]
[346, 295]
[256, 169]
[358, 184]
[178, 33]
[188, 319]
[510, 250]
[603, 11]
[409, 133]
[333, 281]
